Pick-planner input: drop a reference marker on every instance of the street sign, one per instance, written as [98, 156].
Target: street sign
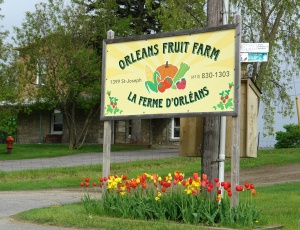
[254, 47]
[254, 52]
[254, 57]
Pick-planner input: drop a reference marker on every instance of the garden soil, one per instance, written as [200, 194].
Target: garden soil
[13, 202]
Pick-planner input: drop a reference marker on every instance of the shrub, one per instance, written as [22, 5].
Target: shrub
[288, 139]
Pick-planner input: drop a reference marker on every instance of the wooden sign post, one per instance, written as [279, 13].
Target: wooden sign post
[106, 139]
[235, 157]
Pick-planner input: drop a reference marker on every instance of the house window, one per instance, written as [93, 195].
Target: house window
[57, 122]
[175, 128]
[41, 72]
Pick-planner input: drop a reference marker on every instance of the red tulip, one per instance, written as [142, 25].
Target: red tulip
[195, 192]
[195, 175]
[226, 186]
[95, 184]
[81, 184]
[246, 184]
[216, 179]
[239, 188]
[144, 185]
[252, 186]
[87, 179]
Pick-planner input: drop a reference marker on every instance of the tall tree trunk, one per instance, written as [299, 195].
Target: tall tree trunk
[73, 144]
[211, 137]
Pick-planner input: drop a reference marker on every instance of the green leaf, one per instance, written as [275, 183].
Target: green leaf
[109, 109]
[229, 103]
[220, 105]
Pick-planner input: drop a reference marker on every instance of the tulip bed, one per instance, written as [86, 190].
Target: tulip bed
[192, 200]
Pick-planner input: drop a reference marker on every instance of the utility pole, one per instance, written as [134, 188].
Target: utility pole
[211, 137]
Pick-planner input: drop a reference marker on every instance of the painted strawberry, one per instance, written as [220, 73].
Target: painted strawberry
[181, 84]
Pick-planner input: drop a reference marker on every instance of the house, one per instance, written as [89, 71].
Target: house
[37, 125]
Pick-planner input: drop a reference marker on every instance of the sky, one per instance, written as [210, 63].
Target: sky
[14, 14]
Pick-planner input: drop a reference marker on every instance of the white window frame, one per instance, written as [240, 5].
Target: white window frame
[56, 111]
[41, 72]
[173, 127]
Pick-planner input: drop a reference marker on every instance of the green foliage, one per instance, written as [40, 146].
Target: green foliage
[290, 138]
[8, 85]
[275, 23]
[8, 127]
[59, 61]
[179, 15]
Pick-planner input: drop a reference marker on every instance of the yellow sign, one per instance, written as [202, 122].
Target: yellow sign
[163, 75]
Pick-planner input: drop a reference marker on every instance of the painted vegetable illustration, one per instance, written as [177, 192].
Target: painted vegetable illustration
[167, 70]
[166, 76]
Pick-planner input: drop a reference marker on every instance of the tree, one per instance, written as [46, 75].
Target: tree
[8, 86]
[56, 46]
[211, 128]
[178, 14]
[277, 23]
[125, 17]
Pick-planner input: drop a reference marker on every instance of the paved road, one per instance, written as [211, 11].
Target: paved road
[15, 202]
[87, 159]
[18, 201]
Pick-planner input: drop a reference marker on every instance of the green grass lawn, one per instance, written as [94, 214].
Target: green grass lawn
[70, 177]
[31, 151]
[278, 203]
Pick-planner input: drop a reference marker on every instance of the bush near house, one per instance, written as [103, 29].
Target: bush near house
[290, 138]
[8, 127]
